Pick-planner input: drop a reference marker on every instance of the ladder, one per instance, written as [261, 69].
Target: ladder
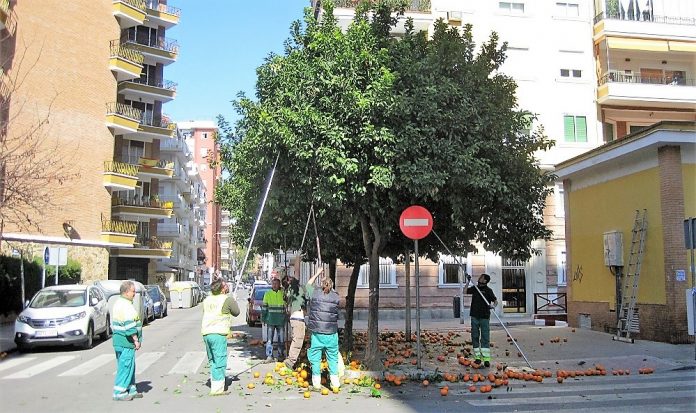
[628, 313]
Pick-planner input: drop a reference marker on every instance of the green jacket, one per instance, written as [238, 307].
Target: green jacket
[273, 309]
[125, 322]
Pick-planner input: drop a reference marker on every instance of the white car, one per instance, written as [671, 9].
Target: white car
[63, 315]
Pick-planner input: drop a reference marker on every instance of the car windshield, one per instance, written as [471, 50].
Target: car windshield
[259, 292]
[59, 298]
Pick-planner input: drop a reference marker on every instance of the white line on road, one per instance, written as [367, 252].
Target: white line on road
[517, 402]
[40, 368]
[89, 366]
[189, 363]
[8, 364]
[145, 360]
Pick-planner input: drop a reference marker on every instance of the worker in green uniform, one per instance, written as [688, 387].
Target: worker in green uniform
[128, 334]
[273, 316]
[480, 317]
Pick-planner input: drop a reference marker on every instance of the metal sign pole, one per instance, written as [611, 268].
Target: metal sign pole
[418, 317]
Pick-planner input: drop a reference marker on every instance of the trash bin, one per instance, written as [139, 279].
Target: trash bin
[456, 306]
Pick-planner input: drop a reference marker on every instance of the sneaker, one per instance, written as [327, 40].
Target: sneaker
[288, 365]
[137, 395]
[477, 361]
[123, 398]
[486, 363]
[269, 359]
[221, 393]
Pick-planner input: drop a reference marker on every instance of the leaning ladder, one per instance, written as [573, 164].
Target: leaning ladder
[628, 313]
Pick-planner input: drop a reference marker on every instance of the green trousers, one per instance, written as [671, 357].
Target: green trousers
[480, 338]
[216, 347]
[319, 344]
[124, 383]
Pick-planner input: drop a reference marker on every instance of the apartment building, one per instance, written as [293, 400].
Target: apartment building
[551, 58]
[140, 54]
[645, 58]
[187, 193]
[200, 137]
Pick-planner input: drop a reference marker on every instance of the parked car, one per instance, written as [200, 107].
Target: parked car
[149, 307]
[255, 301]
[112, 289]
[159, 300]
[63, 315]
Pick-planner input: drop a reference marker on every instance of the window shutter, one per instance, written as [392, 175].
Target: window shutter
[581, 129]
[569, 128]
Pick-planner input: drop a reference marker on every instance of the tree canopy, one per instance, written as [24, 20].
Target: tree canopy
[367, 124]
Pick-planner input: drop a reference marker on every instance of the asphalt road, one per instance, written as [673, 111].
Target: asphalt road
[172, 373]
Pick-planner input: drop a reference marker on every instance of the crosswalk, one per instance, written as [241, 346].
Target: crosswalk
[191, 362]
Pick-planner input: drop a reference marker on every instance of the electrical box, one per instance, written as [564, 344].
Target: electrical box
[613, 249]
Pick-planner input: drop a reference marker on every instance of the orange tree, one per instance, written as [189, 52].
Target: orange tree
[366, 125]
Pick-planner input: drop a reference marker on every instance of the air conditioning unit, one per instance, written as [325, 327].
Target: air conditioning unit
[454, 18]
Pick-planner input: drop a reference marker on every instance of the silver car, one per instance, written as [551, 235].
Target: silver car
[63, 315]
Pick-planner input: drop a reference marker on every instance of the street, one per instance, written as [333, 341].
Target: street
[172, 374]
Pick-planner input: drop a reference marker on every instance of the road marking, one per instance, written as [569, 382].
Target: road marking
[146, 360]
[416, 222]
[89, 366]
[189, 363]
[40, 368]
[8, 364]
[566, 399]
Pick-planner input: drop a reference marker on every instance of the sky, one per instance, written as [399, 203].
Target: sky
[221, 43]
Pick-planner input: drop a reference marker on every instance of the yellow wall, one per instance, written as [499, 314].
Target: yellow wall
[611, 206]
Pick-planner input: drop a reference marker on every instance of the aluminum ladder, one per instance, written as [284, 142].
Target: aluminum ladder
[628, 313]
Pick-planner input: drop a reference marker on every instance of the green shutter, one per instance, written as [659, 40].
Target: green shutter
[581, 128]
[569, 128]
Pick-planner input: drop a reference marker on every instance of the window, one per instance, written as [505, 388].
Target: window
[450, 269]
[560, 201]
[387, 273]
[575, 128]
[307, 269]
[608, 129]
[567, 9]
[132, 151]
[512, 7]
[561, 267]
[205, 135]
[569, 72]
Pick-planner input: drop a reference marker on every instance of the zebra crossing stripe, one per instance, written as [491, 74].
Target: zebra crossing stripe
[40, 368]
[145, 360]
[189, 363]
[8, 364]
[567, 399]
[89, 365]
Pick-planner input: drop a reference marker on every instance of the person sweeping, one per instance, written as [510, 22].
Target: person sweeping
[218, 310]
[480, 318]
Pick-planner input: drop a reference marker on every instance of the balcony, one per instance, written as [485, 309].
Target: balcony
[118, 232]
[158, 50]
[422, 6]
[129, 13]
[153, 127]
[122, 118]
[139, 88]
[8, 19]
[145, 248]
[141, 208]
[618, 88]
[643, 23]
[125, 61]
[418, 10]
[120, 175]
[162, 14]
[170, 230]
[155, 168]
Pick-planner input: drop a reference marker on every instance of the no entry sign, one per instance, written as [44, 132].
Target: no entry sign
[416, 222]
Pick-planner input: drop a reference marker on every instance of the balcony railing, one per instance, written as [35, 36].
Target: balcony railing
[158, 122]
[124, 110]
[124, 51]
[164, 8]
[412, 5]
[163, 84]
[162, 43]
[142, 201]
[152, 243]
[621, 77]
[118, 226]
[121, 168]
[644, 16]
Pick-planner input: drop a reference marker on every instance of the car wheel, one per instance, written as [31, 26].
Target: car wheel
[165, 312]
[90, 337]
[107, 331]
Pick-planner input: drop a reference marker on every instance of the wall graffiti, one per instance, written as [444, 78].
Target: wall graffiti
[577, 275]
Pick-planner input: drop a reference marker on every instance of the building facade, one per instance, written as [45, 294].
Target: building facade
[653, 170]
[201, 139]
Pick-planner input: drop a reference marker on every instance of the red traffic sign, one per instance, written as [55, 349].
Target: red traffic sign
[416, 222]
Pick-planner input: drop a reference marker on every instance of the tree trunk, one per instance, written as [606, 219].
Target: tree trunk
[332, 270]
[372, 240]
[350, 305]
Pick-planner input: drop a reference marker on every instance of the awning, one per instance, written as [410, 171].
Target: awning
[638, 44]
[682, 46]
